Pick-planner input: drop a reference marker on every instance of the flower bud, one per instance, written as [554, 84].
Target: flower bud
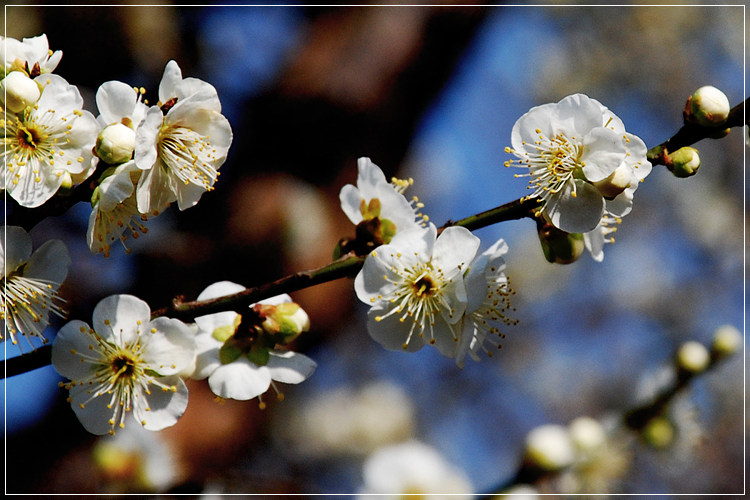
[19, 91]
[708, 106]
[692, 357]
[658, 432]
[284, 321]
[115, 144]
[549, 448]
[560, 247]
[617, 182]
[727, 341]
[587, 434]
[684, 162]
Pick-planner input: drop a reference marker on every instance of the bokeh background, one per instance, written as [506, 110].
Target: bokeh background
[429, 92]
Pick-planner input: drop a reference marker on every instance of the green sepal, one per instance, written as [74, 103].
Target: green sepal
[259, 355]
[229, 352]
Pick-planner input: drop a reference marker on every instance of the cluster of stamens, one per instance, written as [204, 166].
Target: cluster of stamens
[493, 311]
[33, 142]
[418, 295]
[26, 303]
[552, 166]
[115, 224]
[400, 186]
[119, 373]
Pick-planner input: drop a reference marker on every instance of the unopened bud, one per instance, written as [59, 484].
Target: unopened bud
[286, 321]
[115, 144]
[692, 357]
[684, 162]
[549, 448]
[727, 341]
[658, 432]
[560, 247]
[18, 91]
[587, 434]
[708, 106]
[617, 182]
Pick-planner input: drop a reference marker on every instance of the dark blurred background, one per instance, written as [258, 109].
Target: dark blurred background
[430, 92]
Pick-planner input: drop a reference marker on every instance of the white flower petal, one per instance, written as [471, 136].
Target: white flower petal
[170, 345]
[580, 213]
[162, 408]
[49, 262]
[290, 367]
[16, 248]
[72, 341]
[117, 317]
[240, 379]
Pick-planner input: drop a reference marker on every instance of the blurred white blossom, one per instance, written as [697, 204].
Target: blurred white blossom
[413, 468]
[347, 421]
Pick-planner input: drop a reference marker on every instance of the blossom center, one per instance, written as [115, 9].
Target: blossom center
[124, 367]
[28, 137]
[552, 163]
[424, 287]
[417, 296]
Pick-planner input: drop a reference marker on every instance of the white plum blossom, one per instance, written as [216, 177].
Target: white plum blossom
[181, 143]
[126, 363]
[241, 378]
[373, 196]
[47, 144]
[135, 459]
[415, 287]
[30, 283]
[31, 55]
[115, 213]
[413, 468]
[580, 161]
[488, 303]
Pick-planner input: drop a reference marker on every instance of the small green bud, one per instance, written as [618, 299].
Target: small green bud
[708, 106]
[115, 144]
[560, 247]
[727, 341]
[684, 162]
[692, 357]
[658, 432]
[19, 91]
[284, 322]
